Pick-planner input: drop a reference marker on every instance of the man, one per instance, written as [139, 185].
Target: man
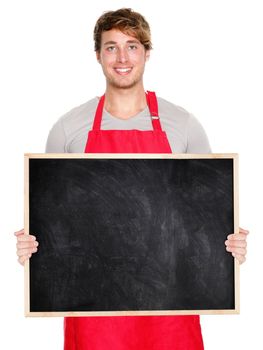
[128, 120]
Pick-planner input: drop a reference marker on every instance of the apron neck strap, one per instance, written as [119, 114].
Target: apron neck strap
[152, 105]
[98, 115]
[153, 108]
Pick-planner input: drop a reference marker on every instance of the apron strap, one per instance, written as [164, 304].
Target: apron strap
[98, 115]
[152, 105]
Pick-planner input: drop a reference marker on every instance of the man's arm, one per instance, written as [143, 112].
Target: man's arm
[27, 244]
[56, 141]
[197, 140]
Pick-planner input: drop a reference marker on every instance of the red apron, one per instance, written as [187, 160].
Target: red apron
[131, 332]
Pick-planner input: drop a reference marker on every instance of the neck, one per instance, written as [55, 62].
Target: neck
[125, 103]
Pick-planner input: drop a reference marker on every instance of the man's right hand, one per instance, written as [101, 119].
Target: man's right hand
[26, 245]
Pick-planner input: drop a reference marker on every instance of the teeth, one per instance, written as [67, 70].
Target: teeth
[123, 70]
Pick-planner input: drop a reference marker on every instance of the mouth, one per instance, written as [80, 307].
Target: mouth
[123, 71]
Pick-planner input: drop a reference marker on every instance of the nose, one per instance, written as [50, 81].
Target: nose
[122, 56]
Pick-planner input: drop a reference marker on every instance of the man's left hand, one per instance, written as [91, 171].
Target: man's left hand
[236, 244]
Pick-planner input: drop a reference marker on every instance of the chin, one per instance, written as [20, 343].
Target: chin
[123, 85]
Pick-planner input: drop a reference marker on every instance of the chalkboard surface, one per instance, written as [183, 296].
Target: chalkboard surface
[130, 234]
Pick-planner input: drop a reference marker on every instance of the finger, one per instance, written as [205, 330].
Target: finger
[24, 258]
[26, 238]
[20, 232]
[242, 230]
[240, 258]
[239, 251]
[236, 243]
[237, 236]
[25, 244]
[241, 234]
[26, 251]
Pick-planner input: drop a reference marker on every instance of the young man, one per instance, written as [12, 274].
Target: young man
[128, 120]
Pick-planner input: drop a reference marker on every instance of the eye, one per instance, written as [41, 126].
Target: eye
[132, 47]
[111, 48]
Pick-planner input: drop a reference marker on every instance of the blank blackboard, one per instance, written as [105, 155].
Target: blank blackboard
[131, 234]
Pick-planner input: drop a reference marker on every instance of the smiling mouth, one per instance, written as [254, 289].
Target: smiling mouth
[123, 71]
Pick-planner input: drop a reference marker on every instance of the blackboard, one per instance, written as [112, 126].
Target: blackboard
[131, 234]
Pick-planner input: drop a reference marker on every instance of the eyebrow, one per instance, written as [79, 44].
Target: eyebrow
[111, 42]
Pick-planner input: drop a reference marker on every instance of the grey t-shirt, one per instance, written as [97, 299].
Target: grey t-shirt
[185, 134]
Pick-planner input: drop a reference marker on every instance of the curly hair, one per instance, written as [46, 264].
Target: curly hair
[127, 21]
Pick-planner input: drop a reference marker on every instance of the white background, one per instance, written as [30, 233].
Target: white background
[207, 58]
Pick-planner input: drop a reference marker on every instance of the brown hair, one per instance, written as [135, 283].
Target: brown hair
[127, 21]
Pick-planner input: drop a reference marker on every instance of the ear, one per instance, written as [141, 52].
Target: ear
[98, 56]
[147, 55]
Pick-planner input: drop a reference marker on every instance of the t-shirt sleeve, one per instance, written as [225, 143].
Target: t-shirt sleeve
[56, 141]
[197, 140]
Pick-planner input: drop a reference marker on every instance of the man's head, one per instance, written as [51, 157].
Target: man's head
[122, 45]
[128, 22]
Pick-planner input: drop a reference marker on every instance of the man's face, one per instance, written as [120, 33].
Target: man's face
[122, 58]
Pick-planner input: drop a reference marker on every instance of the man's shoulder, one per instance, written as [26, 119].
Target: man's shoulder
[171, 109]
[82, 111]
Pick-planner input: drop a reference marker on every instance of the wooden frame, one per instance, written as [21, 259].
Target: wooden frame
[233, 310]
